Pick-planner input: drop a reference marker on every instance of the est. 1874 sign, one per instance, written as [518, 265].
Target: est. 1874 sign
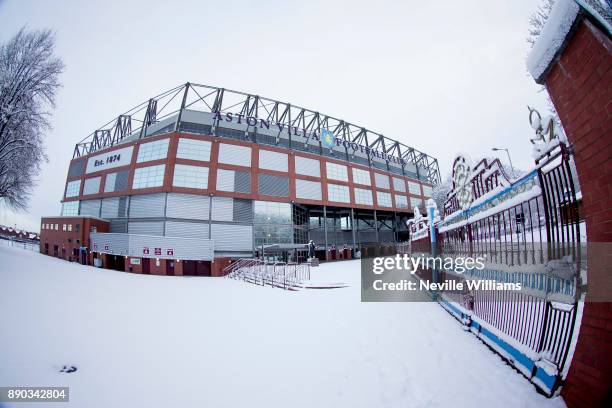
[110, 160]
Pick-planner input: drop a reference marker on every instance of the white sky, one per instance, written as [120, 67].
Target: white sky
[444, 77]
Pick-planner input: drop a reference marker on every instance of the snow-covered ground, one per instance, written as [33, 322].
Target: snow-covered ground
[150, 341]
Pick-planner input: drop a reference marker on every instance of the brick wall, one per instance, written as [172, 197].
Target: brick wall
[580, 85]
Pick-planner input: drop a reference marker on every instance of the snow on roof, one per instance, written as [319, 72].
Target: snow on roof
[551, 39]
[558, 25]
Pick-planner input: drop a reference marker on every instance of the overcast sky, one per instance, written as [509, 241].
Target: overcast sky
[443, 77]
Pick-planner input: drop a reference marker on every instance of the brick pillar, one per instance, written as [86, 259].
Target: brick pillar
[580, 85]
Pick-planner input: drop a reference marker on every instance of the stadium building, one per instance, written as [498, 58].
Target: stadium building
[197, 176]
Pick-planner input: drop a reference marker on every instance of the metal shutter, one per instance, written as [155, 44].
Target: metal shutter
[110, 207]
[90, 208]
[399, 184]
[187, 229]
[225, 180]
[146, 228]
[76, 168]
[307, 167]
[243, 211]
[273, 160]
[310, 190]
[121, 180]
[189, 206]
[382, 180]
[119, 226]
[222, 209]
[232, 237]
[236, 155]
[242, 182]
[147, 205]
[277, 186]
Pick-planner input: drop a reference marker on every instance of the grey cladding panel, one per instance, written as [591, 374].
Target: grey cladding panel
[90, 207]
[187, 229]
[146, 228]
[76, 168]
[242, 182]
[121, 181]
[188, 206]
[119, 226]
[147, 205]
[277, 186]
[243, 211]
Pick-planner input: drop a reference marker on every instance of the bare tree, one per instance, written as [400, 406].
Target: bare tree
[29, 74]
[538, 19]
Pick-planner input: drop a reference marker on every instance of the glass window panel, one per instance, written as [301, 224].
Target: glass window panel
[190, 176]
[92, 186]
[338, 193]
[153, 151]
[72, 188]
[336, 171]
[193, 149]
[361, 177]
[147, 177]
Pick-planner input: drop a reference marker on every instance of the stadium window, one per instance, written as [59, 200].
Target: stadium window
[363, 196]
[361, 177]
[153, 151]
[91, 186]
[69, 227]
[338, 193]
[336, 171]
[192, 149]
[190, 176]
[147, 177]
[63, 227]
[72, 188]
[383, 199]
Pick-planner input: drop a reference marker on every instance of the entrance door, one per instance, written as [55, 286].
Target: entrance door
[170, 267]
[146, 266]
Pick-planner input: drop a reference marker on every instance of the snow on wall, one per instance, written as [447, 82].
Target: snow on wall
[557, 27]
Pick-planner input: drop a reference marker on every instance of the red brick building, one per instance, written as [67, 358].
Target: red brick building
[188, 192]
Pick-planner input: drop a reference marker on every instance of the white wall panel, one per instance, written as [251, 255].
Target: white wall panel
[270, 160]
[225, 180]
[229, 237]
[147, 205]
[310, 190]
[307, 166]
[381, 180]
[187, 229]
[223, 209]
[188, 206]
[233, 154]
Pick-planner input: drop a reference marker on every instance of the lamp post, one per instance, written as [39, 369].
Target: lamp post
[495, 149]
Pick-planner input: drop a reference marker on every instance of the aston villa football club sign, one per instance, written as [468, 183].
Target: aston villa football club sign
[325, 136]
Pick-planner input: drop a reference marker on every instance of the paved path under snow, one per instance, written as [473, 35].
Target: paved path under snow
[149, 341]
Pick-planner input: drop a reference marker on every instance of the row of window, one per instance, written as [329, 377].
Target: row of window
[55, 227]
[190, 176]
[199, 150]
[196, 177]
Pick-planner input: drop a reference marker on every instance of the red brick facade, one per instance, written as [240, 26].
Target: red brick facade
[213, 165]
[580, 85]
[63, 236]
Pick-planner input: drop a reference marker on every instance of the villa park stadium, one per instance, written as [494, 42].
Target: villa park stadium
[198, 176]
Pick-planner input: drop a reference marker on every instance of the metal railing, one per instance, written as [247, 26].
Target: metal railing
[289, 276]
[530, 236]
